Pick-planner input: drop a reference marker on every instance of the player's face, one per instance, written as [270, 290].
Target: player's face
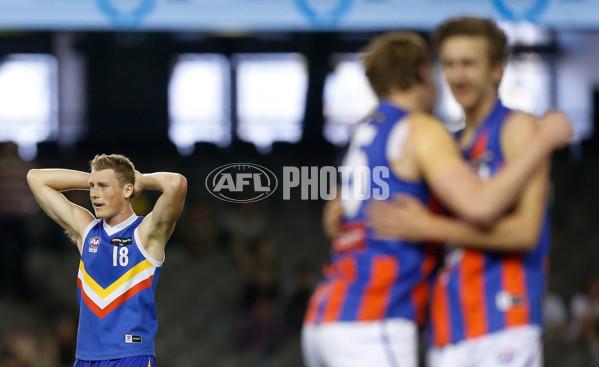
[468, 70]
[107, 197]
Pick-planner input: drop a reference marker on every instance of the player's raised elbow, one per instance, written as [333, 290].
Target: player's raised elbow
[33, 176]
[178, 184]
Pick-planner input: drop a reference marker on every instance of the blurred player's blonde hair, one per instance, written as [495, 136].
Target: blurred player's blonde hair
[394, 61]
[474, 27]
[122, 166]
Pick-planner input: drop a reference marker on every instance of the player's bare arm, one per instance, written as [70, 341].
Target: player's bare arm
[331, 217]
[452, 180]
[407, 218]
[157, 227]
[518, 231]
[47, 186]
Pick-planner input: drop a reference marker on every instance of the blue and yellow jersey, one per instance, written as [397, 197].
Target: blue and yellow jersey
[115, 285]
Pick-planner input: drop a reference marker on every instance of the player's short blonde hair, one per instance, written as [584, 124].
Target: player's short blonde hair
[393, 61]
[122, 166]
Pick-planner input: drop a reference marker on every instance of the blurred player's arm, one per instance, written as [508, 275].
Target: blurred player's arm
[157, 227]
[47, 184]
[332, 214]
[407, 218]
[454, 183]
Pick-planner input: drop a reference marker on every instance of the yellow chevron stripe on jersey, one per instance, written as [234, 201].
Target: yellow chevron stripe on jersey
[105, 292]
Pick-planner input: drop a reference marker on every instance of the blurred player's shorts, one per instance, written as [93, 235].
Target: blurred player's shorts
[391, 342]
[517, 347]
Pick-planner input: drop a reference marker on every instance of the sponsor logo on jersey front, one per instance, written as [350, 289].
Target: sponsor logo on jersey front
[120, 241]
[94, 242]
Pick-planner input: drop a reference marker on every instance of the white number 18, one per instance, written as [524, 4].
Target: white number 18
[123, 259]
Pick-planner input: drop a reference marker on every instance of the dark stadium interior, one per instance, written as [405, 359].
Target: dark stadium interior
[236, 278]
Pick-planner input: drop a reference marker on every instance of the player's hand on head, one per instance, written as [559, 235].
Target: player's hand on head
[331, 217]
[138, 185]
[557, 128]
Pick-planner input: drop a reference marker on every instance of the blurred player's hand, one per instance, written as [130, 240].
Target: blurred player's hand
[331, 217]
[405, 218]
[138, 185]
[557, 128]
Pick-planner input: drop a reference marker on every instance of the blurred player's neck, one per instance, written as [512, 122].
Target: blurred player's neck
[479, 112]
[410, 100]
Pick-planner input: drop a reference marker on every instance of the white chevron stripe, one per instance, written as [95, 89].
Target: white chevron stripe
[104, 302]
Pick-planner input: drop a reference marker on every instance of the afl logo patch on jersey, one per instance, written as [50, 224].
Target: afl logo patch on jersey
[94, 242]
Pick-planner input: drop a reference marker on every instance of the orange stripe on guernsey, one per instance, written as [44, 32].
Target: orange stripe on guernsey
[383, 273]
[338, 288]
[101, 313]
[105, 292]
[480, 146]
[421, 291]
[440, 313]
[472, 295]
[315, 302]
[513, 279]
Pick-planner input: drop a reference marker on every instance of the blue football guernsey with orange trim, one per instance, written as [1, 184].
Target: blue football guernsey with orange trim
[115, 285]
[370, 279]
[480, 292]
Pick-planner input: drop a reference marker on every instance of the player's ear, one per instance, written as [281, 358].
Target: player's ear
[425, 74]
[128, 191]
[497, 71]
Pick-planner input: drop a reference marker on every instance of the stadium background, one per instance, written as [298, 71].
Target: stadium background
[189, 85]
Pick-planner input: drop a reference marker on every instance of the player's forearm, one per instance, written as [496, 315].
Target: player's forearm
[59, 179]
[163, 181]
[496, 195]
[507, 235]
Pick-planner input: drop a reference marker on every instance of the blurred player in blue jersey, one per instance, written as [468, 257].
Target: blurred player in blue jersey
[121, 254]
[486, 301]
[367, 309]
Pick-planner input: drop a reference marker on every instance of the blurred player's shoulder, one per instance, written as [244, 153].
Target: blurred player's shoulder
[517, 130]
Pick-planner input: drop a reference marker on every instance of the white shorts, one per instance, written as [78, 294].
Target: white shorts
[517, 347]
[387, 343]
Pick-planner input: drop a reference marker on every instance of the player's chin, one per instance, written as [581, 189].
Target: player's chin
[99, 213]
[467, 101]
